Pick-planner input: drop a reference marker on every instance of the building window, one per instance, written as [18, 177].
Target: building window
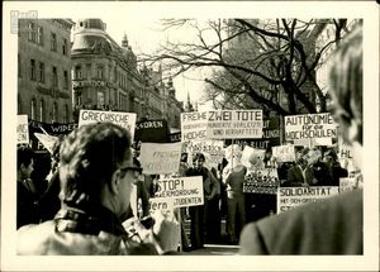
[100, 99]
[32, 69]
[42, 110]
[32, 32]
[122, 102]
[33, 107]
[100, 72]
[41, 72]
[65, 79]
[67, 118]
[40, 35]
[115, 74]
[78, 72]
[54, 77]
[54, 113]
[53, 42]
[19, 66]
[64, 47]
[88, 70]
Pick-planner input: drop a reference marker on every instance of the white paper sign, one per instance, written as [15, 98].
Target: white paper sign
[290, 197]
[235, 124]
[193, 126]
[211, 149]
[185, 191]
[284, 153]
[22, 129]
[161, 204]
[123, 119]
[160, 158]
[310, 126]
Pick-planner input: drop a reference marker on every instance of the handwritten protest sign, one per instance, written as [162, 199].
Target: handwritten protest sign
[211, 149]
[261, 181]
[193, 126]
[160, 158]
[284, 153]
[290, 197]
[248, 152]
[348, 184]
[161, 204]
[123, 119]
[310, 126]
[235, 124]
[22, 129]
[47, 141]
[185, 191]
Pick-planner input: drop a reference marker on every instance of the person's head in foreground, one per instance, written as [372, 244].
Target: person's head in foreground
[25, 163]
[333, 226]
[97, 174]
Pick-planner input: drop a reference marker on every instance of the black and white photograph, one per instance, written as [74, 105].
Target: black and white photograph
[190, 136]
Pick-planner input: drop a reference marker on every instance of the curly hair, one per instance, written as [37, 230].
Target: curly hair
[346, 77]
[89, 156]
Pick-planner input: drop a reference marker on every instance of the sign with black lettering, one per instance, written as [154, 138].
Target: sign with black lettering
[290, 197]
[160, 158]
[212, 150]
[123, 119]
[235, 124]
[22, 129]
[184, 191]
[261, 181]
[160, 204]
[284, 153]
[310, 126]
[193, 126]
[152, 131]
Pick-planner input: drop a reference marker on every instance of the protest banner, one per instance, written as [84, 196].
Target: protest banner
[160, 158]
[261, 181]
[284, 153]
[193, 126]
[47, 141]
[152, 131]
[123, 119]
[22, 129]
[310, 126]
[211, 149]
[160, 204]
[290, 197]
[184, 191]
[248, 152]
[235, 124]
[348, 184]
[175, 137]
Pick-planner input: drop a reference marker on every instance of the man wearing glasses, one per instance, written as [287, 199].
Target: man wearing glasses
[97, 174]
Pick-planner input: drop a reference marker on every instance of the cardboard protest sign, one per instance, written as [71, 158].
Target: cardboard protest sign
[348, 184]
[185, 191]
[235, 124]
[160, 204]
[248, 152]
[160, 158]
[175, 137]
[152, 131]
[123, 119]
[312, 142]
[193, 126]
[284, 153]
[211, 149]
[47, 141]
[22, 129]
[261, 181]
[310, 126]
[290, 197]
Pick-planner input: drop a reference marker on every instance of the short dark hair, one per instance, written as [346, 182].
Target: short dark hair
[199, 156]
[89, 156]
[24, 156]
[346, 77]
